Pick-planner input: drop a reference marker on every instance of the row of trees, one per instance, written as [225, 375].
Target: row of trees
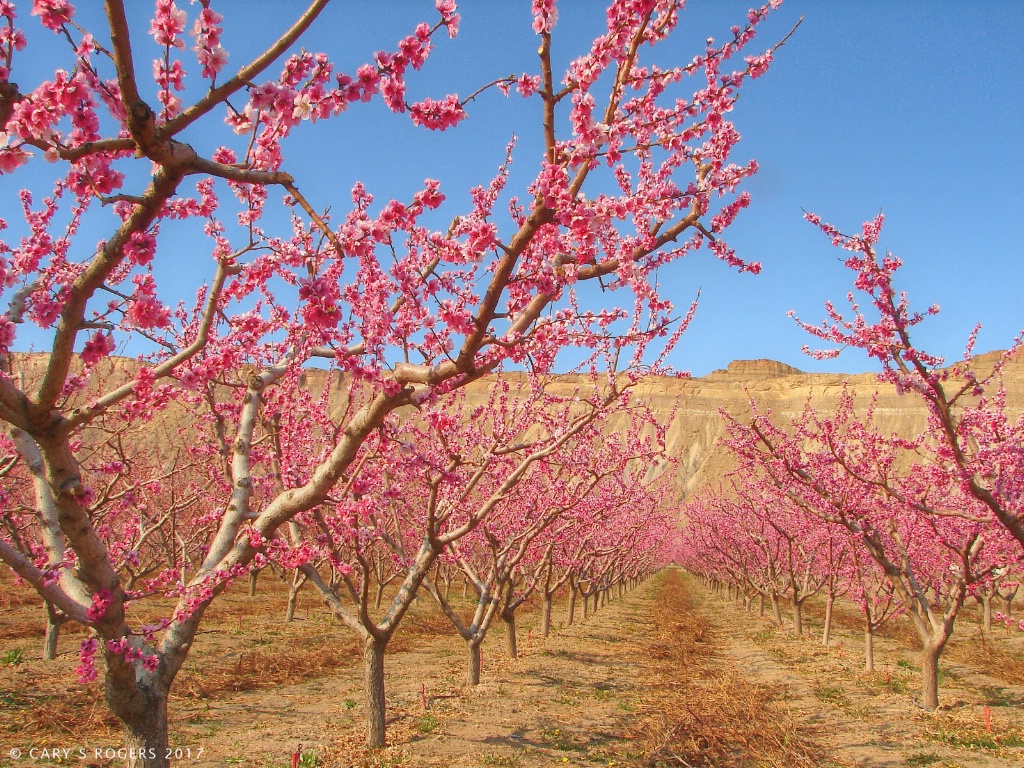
[209, 455]
[831, 502]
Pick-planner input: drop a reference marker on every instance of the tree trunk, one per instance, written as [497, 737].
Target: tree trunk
[298, 579]
[143, 711]
[509, 617]
[253, 575]
[373, 660]
[54, 620]
[798, 617]
[545, 616]
[827, 631]
[869, 647]
[378, 596]
[586, 606]
[570, 611]
[986, 604]
[473, 669]
[760, 611]
[776, 609]
[930, 676]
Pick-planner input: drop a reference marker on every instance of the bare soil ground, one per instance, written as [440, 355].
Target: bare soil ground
[668, 675]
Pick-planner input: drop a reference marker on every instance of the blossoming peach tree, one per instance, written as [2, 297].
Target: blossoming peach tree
[148, 139]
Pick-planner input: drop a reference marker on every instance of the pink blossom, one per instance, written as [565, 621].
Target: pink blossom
[101, 601]
[438, 115]
[53, 14]
[86, 669]
[209, 53]
[448, 16]
[527, 85]
[167, 24]
[545, 14]
[99, 345]
[144, 309]
[8, 332]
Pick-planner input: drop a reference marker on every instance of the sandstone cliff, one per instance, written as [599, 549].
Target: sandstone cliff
[692, 406]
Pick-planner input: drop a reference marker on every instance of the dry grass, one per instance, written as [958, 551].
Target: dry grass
[703, 715]
[311, 658]
[991, 654]
[33, 716]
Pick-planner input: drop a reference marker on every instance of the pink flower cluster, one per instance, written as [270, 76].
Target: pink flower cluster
[144, 309]
[207, 31]
[449, 18]
[168, 24]
[438, 115]
[101, 601]
[86, 669]
[1007, 620]
[545, 14]
[53, 14]
[122, 647]
[98, 346]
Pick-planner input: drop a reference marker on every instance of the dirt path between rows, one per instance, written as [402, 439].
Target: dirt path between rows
[871, 720]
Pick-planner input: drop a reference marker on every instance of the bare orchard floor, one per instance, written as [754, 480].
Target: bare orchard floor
[668, 675]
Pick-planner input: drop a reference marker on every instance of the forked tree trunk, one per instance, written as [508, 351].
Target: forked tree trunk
[827, 631]
[545, 616]
[798, 617]
[776, 609]
[373, 661]
[293, 595]
[54, 620]
[473, 667]
[570, 611]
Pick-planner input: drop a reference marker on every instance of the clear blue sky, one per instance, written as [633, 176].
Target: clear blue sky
[912, 107]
